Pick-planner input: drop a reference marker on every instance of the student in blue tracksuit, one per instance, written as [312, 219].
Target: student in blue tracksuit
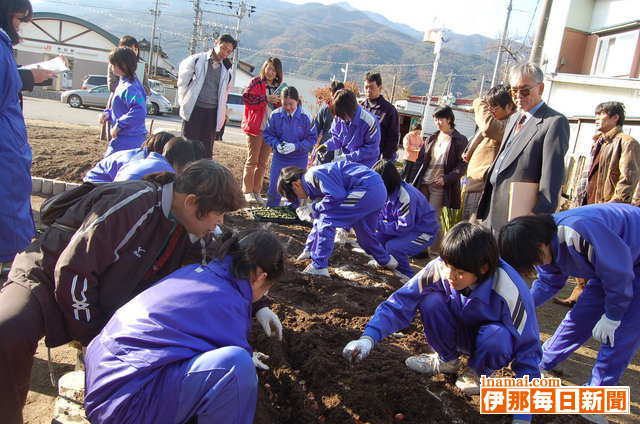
[129, 105]
[344, 195]
[179, 349]
[291, 134]
[355, 133]
[177, 154]
[407, 223]
[16, 222]
[107, 168]
[601, 243]
[470, 302]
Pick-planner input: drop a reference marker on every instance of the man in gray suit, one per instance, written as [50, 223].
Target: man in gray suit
[535, 141]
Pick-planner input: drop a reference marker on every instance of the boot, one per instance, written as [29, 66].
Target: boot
[575, 294]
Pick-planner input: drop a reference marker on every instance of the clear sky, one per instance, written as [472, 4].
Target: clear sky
[484, 17]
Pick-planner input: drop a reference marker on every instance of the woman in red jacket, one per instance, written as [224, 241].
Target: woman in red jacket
[259, 99]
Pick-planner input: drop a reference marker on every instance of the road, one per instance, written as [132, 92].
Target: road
[55, 111]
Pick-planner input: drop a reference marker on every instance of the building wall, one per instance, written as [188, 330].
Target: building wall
[607, 13]
[581, 14]
[572, 51]
[581, 100]
[555, 35]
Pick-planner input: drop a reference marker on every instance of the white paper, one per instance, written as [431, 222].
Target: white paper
[57, 64]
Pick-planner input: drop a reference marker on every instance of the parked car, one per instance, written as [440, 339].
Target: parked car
[235, 107]
[98, 97]
[93, 81]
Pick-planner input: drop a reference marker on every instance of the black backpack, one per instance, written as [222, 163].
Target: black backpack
[55, 206]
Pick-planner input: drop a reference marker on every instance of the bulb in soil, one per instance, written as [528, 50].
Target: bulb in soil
[399, 416]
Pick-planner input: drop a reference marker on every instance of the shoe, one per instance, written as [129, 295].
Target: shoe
[573, 297]
[312, 270]
[304, 255]
[403, 278]
[392, 264]
[469, 383]
[342, 236]
[430, 363]
[258, 199]
[248, 197]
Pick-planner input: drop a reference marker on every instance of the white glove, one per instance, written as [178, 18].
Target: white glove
[339, 156]
[257, 358]
[268, 320]
[358, 349]
[305, 213]
[605, 330]
[285, 148]
[392, 264]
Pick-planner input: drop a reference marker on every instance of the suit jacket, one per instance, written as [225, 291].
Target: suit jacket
[536, 156]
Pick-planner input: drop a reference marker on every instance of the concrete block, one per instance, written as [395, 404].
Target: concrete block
[58, 187]
[71, 186]
[36, 185]
[47, 186]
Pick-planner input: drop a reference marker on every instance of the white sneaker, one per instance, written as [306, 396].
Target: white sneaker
[258, 199]
[392, 264]
[403, 278]
[430, 363]
[304, 255]
[374, 263]
[312, 270]
[342, 236]
[469, 383]
[248, 197]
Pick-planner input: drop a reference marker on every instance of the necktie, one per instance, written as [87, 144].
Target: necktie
[520, 123]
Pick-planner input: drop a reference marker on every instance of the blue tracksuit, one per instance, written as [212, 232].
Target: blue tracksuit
[297, 129]
[137, 169]
[406, 225]
[601, 243]
[128, 112]
[177, 350]
[16, 222]
[106, 170]
[345, 195]
[358, 139]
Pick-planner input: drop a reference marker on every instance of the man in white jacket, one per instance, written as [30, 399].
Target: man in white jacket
[203, 86]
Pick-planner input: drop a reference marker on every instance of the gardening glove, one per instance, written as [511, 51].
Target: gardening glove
[285, 148]
[358, 349]
[305, 213]
[268, 320]
[605, 330]
[339, 156]
[257, 358]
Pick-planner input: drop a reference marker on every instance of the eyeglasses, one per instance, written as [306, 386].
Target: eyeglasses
[524, 91]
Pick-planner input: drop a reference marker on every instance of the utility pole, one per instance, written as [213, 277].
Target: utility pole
[197, 22]
[538, 41]
[346, 72]
[155, 13]
[155, 66]
[436, 49]
[481, 85]
[236, 54]
[502, 40]
[393, 90]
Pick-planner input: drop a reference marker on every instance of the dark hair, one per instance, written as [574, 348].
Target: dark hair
[500, 95]
[156, 142]
[125, 59]
[345, 104]
[290, 93]
[130, 42]
[277, 65]
[227, 38]
[469, 247]
[389, 174]
[416, 126]
[335, 86]
[373, 77]
[8, 8]
[287, 176]
[213, 185]
[447, 113]
[520, 240]
[251, 249]
[179, 152]
[612, 108]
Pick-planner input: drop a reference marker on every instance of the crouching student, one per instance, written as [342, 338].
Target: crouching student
[291, 135]
[600, 243]
[470, 302]
[176, 155]
[179, 350]
[344, 195]
[407, 223]
[107, 168]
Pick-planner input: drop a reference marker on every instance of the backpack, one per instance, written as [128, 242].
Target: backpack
[56, 206]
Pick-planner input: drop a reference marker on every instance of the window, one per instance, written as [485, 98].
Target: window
[615, 53]
[234, 99]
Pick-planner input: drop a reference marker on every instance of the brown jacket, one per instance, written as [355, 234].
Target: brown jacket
[618, 167]
[484, 148]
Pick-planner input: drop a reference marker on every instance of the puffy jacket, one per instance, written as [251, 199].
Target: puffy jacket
[196, 309]
[338, 184]
[297, 129]
[106, 170]
[359, 139]
[406, 210]
[191, 74]
[99, 255]
[504, 297]
[255, 102]
[598, 242]
[16, 222]
[128, 108]
[137, 169]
